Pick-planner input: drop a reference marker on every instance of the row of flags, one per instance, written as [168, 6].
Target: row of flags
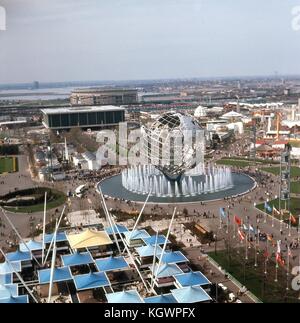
[242, 228]
[274, 210]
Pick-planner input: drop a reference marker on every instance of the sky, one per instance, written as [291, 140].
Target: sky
[69, 40]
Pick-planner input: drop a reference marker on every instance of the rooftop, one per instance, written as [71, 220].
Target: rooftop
[82, 109]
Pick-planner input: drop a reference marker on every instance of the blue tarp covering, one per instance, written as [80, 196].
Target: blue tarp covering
[125, 297]
[161, 299]
[6, 279]
[15, 300]
[77, 259]
[193, 294]
[173, 257]
[166, 270]
[91, 281]
[111, 263]
[192, 279]
[59, 275]
[152, 240]
[9, 268]
[8, 290]
[32, 245]
[60, 237]
[137, 235]
[121, 229]
[19, 256]
[148, 251]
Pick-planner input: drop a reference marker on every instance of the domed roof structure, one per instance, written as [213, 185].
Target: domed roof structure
[172, 143]
[200, 112]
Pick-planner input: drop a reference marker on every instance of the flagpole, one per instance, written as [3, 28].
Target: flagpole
[290, 224]
[288, 269]
[255, 246]
[234, 230]
[276, 273]
[249, 234]
[246, 246]
[267, 256]
[281, 221]
[220, 227]
[227, 231]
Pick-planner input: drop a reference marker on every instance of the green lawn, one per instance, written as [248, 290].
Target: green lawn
[58, 201]
[295, 187]
[8, 165]
[235, 163]
[295, 171]
[243, 161]
[253, 278]
[295, 205]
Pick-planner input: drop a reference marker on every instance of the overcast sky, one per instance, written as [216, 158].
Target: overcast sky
[60, 40]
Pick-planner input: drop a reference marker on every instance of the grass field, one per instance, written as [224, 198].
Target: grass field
[263, 287]
[295, 187]
[234, 163]
[8, 165]
[242, 162]
[58, 198]
[295, 205]
[295, 171]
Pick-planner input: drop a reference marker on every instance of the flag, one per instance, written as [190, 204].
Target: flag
[276, 211]
[268, 207]
[241, 235]
[223, 213]
[266, 254]
[293, 219]
[237, 220]
[252, 229]
[245, 227]
[279, 246]
[279, 259]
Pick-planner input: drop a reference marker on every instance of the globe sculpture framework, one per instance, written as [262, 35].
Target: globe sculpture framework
[174, 143]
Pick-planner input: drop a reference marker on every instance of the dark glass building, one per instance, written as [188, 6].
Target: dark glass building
[83, 117]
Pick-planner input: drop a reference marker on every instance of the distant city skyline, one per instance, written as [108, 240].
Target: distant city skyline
[86, 40]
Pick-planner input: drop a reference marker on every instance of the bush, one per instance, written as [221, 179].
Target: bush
[9, 150]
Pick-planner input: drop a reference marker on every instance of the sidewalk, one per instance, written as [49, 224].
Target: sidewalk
[216, 275]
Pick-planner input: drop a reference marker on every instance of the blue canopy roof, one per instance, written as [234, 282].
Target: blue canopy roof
[32, 245]
[121, 229]
[15, 300]
[166, 270]
[91, 281]
[192, 279]
[60, 237]
[19, 256]
[111, 263]
[125, 297]
[6, 279]
[59, 275]
[137, 235]
[173, 257]
[152, 240]
[8, 290]
[191, 294]
[77, 259]
[148, 251]
[9, 268]
[161, 299]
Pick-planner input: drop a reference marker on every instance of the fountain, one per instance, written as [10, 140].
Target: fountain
[202, 180]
